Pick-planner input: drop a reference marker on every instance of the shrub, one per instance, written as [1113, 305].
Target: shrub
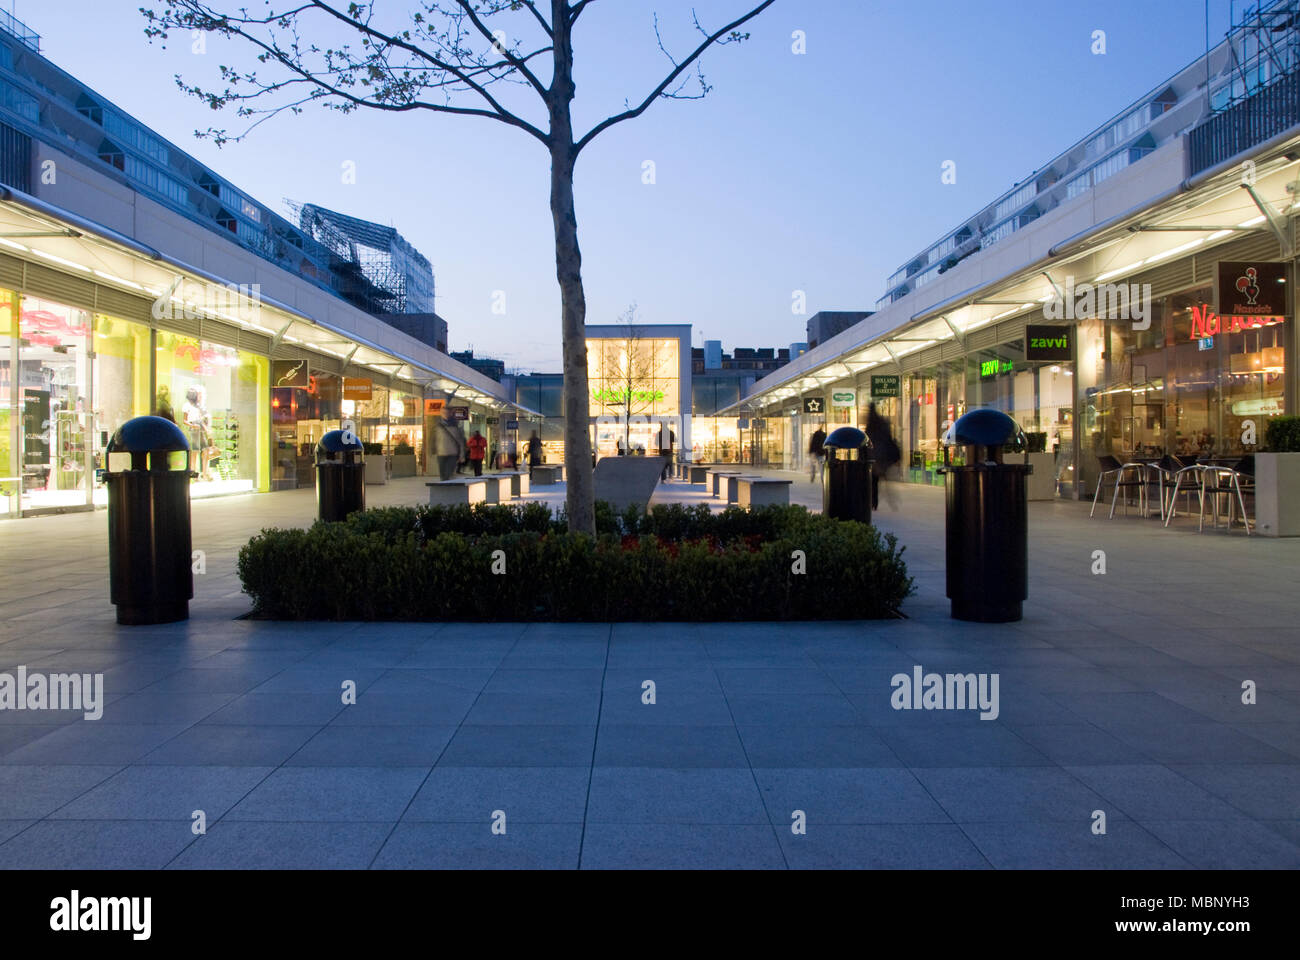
[680, 563]
[404, 450]
[1282, 435]
[373, 449]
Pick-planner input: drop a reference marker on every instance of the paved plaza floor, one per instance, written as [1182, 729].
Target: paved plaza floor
[1120, 693]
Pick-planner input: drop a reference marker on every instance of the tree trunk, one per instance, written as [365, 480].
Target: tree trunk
[579, 499]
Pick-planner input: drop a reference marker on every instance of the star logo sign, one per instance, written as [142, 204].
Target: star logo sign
[814, 406]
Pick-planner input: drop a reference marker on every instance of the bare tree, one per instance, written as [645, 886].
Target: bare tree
[448, 59]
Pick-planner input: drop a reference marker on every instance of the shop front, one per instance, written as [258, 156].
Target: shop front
[70, 377]
[1195, 384]
[636, 395]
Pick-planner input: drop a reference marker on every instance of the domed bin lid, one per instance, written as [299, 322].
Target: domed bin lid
[147, 435]
[338, 445]
[845, 438]
[984, 427]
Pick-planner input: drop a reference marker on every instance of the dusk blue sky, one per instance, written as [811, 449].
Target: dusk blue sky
[818, 172]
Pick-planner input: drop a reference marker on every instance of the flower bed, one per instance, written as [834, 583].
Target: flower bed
[519, 563]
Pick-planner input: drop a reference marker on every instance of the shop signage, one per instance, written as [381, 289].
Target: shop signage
[844, 398]
[289, 373]
[1044, 342]
[47, 329]
[760, 424]
[1205, 343]
[742, 423]
[998, 365]
[357, 388]
[512, 424]
[1206, 323]
[1251, 288]
[492, 421]
[885, 385]
[814, 404]
[623, 396]
[1265, 407]
[460, 413]
[433, 408]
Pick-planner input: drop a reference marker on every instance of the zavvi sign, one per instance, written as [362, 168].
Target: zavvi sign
[1043, 342]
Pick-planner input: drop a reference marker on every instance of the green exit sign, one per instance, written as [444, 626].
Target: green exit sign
[991, 368]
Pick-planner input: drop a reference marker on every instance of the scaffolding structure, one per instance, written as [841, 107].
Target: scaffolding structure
[1263, 46]
[374, 267]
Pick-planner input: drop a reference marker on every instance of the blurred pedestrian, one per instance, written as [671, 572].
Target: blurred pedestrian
[817, 455]
[883, 450]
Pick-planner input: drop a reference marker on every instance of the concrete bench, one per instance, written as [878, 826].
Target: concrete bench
[717, 476]
[547, 473]
[623, 481]
[760, 491]
[498, 487]
[698, 474]
[518, 482]
[446, 493]
[729, 486]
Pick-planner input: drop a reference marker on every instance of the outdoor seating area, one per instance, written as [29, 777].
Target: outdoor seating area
[1219, 487]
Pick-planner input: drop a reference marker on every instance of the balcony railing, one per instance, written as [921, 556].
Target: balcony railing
[1247, 124]
[24, 34]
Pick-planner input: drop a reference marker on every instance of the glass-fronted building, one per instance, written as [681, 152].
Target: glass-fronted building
[1122, 318]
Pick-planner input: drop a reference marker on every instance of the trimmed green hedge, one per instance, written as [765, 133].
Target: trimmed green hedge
[676, 563]
[1282, 435]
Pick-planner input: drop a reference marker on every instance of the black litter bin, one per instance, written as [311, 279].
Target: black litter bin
[988, 519]
[149, 561]
[340, 475]
[846, 489]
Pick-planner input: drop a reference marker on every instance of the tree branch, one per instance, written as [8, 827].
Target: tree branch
[668, 80]
[503, 114]
[468, 7]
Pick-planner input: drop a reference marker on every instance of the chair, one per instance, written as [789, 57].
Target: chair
[1193, 476]
[1110, 467]
[1230, 482]
[1131, 475]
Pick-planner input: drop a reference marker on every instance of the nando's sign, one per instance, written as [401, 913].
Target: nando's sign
[1248, 295]
[1206, 323]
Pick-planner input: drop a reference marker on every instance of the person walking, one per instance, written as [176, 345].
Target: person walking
[534, 453]
[884, 451]
[667, 451]
[477, 448]
[448, 444]
[492, 465]
[817, 455]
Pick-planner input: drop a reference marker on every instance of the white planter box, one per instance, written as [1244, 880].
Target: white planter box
[403, 465]
[376, 469]
[1277, 494]
[1041, 484]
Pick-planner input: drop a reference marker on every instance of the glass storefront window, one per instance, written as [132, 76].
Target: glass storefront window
[217, 395]
[121, 384]
[10, 422]
[54, 390]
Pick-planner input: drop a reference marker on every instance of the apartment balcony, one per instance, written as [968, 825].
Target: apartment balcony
[1244, 125]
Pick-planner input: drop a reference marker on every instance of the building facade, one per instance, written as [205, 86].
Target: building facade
[120, 296]
[1122, 319]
